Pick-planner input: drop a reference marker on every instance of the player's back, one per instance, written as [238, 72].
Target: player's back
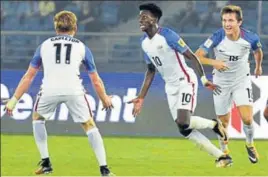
[61, 58]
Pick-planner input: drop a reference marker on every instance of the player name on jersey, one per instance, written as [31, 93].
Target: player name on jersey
[66, 38]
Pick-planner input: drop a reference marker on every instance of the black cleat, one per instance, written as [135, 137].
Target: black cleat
[220, 130]
[253, 155]
[105, 171]
[224, 161]
[45, 167]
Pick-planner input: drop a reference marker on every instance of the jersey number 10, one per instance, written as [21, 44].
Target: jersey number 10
[58, 52]
[157, 61]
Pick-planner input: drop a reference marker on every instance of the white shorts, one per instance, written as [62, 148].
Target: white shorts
[239, 93]
[185, 97]
[77, 105]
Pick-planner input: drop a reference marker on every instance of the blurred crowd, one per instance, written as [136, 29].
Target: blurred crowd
[97, 16]
[204, 16]
[100, 16]
[92, 16]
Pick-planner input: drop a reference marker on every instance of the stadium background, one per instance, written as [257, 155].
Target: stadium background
[110, 29]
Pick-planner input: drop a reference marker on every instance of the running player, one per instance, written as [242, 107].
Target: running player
[164, 50]
[232, 45]
[61, 57]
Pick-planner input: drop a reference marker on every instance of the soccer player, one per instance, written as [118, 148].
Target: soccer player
[164, 50]
[232, 45]
[61, 57]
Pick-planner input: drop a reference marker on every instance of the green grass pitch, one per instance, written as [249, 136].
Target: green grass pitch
[128, 156]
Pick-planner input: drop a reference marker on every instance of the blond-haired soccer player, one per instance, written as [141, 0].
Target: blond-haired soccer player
[61, 57]
[232, 45]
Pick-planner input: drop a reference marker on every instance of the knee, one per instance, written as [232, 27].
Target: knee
[88, 125]
[224, 120]
[183, 128]
[247, 120]
[36, 116]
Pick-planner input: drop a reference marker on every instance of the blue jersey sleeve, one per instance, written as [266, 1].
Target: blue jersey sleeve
[213, 40]
[37, 59]
[256, 43]
[174, 40]
[252, 38]
[89, 61]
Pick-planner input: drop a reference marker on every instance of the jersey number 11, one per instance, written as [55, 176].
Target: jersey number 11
[58, 52]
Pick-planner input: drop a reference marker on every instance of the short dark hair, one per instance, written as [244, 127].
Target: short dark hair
[154, 9]
[233, 9]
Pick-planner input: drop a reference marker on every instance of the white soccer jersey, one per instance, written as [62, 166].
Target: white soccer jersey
[61, 57]
[234, 53]
[165, 51]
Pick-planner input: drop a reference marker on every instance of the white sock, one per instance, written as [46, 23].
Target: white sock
[96, 142]
[223, 146]
[249, 131]
[40, 136]
[204, 144]
[197, 122]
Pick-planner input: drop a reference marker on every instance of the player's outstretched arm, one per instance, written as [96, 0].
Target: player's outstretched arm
[149, 76]
[100, 90]
[258, 55]
[138, 102]
[23, 87]
[217, 64]
[200, 70]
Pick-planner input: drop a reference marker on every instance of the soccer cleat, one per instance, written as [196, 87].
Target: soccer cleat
[253, 155]
[105, 171]
[224, 161]
[220, 130]
[45, 167]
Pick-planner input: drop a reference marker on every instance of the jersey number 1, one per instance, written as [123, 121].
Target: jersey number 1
[58, 52]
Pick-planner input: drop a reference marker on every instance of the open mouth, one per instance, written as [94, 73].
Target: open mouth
[142, 26]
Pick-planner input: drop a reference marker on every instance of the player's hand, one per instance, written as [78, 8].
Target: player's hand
[258, 71]
[220, 65]
[10, 105]
[209, 85]
[213, 87]
[138, 102]
[107, 103]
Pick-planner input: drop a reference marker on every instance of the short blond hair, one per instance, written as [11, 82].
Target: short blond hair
[233, 9]
[65, 21]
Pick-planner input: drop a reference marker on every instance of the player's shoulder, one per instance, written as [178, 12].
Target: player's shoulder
[144, 36]
[165, 31]
[249, 35]
[219, 34]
